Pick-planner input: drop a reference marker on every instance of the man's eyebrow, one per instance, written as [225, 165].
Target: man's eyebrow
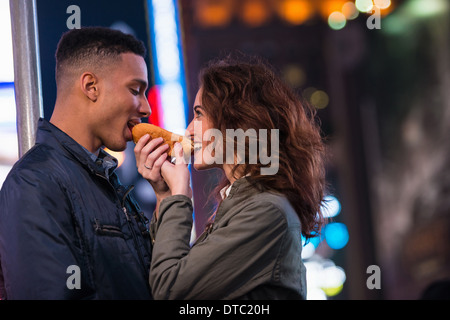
[141, 82]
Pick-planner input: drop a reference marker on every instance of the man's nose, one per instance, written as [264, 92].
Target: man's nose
[145, 109]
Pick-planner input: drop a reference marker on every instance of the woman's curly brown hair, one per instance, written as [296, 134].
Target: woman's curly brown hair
[244, 94]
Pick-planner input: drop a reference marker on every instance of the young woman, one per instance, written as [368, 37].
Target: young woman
[252, 249]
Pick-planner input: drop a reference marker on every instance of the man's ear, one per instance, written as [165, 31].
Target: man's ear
[89, 85]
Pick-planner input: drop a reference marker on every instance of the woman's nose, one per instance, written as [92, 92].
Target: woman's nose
[190, 129]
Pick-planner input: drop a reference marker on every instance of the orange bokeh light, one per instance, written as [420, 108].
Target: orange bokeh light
[255, 12]
[388, 10]
[326, 7]
[214, 13]
[295, 11]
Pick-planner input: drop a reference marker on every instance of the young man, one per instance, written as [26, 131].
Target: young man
[68, 228]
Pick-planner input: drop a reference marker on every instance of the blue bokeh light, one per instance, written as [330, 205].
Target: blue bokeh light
[336, 235]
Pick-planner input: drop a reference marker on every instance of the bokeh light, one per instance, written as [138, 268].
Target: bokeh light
[324, 279]
[331, 206]
[326, 7]
[214, 13]
[254, 12]
[295, 11]
[333, 278]
[119, 155]
[336, 235]
[350, 11]
[364, 5]
[382, 4]
[319, 99]
[337, 20]
[294, 75]
[428, 8]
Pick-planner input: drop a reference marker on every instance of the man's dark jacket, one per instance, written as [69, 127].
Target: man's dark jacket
[69, 229]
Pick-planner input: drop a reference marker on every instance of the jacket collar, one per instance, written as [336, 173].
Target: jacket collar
[49, 134]
[240, 187]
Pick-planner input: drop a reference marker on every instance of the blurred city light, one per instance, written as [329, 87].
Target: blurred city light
[364, 5]
[326, 7]
[255, 12]
[337, 20]
[119, 155]
[168, 64]
[336, 235]
[426, 8]
[214, 13]
[350, 11]
[294, 75]
[382, 4]
[324, 279]
[319, 98]
[8, 132]
[295, 11]
[333, 278]
[331, 206]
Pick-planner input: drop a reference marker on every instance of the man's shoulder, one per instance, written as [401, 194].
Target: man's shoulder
[38, 156]
[41, 160]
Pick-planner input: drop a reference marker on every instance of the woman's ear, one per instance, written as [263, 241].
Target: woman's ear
[89, 85]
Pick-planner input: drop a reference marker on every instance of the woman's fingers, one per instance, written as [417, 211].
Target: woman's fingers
[177, 175]
[179, 154]
[159, 162]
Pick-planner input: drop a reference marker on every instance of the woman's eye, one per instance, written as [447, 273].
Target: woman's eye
[134, 92]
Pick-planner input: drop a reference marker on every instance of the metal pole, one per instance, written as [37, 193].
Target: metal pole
[27, 71]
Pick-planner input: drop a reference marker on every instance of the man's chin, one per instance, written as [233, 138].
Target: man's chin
[116, 147]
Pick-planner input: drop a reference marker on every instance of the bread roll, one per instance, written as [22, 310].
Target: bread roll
[170, 138]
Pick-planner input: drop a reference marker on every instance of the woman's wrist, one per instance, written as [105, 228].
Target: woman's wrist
[182, 190]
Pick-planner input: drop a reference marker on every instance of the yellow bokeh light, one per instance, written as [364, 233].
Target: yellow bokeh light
[319, 99]
[119, 155]
[294, 75]
[332, 291]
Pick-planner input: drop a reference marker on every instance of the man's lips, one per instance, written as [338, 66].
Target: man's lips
[131, 124]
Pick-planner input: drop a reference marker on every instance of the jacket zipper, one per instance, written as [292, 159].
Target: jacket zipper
[133, 232]
[128, 218]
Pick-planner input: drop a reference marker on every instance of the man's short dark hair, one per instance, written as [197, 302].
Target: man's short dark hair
[92, 46]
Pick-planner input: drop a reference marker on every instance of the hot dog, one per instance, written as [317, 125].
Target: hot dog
[170, 138]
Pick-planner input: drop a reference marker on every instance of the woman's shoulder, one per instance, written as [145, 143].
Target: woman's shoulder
[275, 203]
